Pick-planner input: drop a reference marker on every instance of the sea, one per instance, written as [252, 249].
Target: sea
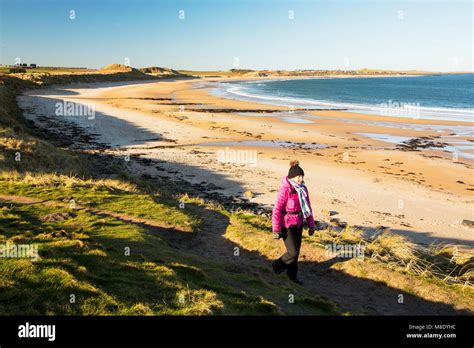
[436, 97]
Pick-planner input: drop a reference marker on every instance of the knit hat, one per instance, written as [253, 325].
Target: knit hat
[295, 169]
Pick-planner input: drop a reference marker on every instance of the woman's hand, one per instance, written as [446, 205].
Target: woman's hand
[276, 235]
[311, 231]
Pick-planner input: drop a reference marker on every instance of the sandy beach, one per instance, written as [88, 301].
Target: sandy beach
[179, 129]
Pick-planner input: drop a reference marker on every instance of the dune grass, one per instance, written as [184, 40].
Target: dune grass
[446, 262]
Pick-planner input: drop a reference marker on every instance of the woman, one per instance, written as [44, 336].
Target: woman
[291, 208]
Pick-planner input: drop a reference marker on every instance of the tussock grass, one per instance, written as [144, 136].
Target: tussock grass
[447, 262]
[392, 247]
[21, 151]
[66, 181]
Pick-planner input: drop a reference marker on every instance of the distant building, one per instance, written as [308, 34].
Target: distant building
[21, 67]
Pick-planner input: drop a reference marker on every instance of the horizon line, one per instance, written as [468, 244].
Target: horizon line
[250, 69]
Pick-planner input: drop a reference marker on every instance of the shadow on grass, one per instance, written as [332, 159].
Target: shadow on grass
[209, 246]
[153, 279]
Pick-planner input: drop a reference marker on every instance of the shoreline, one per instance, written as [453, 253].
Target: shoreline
[354, 108]
[174, 140]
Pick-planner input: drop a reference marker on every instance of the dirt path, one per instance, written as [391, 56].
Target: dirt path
[325, 276]
[321, 275]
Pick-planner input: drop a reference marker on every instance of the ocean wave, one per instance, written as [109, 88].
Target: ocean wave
[455, 114]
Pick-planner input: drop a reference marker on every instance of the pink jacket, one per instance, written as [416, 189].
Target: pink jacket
[288, 201]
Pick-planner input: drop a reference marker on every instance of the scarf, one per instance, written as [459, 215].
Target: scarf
[302, 196]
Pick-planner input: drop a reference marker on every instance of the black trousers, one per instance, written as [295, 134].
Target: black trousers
[289, 260]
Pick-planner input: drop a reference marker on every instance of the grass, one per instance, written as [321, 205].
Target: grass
[446, 262]
[20, 150]
[92, 267]
[105, 195]
[90, 256]
[46, 69]
[88, 260]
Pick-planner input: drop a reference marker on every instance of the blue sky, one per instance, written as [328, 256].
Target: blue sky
[428, 35]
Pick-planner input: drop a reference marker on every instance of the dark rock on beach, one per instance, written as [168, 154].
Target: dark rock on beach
[415, 144]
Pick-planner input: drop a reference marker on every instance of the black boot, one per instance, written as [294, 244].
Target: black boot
[296, 281]
[278, 266]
